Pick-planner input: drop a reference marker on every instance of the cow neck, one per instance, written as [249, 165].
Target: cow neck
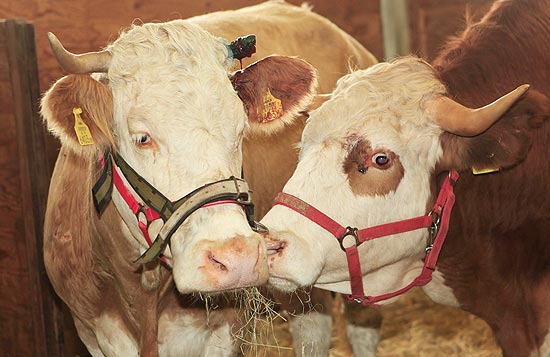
[231, 190]
[437, 221]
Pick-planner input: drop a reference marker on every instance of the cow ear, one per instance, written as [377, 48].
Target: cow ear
[274, 91]
[503, 145]
[79, 111]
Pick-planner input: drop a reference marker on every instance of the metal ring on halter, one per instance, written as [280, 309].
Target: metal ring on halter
[349, 232]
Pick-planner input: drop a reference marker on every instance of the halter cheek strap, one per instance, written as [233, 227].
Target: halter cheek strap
[157, 206]
[437, 221]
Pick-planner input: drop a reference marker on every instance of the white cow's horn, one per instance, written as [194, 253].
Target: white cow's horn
[84, 63]
[460, 120]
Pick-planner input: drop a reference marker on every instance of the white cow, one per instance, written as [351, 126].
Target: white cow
[165, 117]
[360, 212]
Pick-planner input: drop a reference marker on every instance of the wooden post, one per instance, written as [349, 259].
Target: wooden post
[28, 311]
[395, 28]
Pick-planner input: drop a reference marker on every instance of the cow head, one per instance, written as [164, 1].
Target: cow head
[368, 157]
[165, 101]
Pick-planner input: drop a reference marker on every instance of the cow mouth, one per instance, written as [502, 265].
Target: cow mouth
[274, 247]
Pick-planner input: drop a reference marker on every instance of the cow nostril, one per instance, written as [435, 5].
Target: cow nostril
[217, 263]
[274, 247]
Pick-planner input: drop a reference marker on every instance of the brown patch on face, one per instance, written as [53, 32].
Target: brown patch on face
[372, 171]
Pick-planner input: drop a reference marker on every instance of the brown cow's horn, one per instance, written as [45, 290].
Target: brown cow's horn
[460, 120]
[84, 63]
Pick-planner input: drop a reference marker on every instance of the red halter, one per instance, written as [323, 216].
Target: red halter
[437, 220]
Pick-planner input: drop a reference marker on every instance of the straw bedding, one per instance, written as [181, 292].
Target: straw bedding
[414, 326]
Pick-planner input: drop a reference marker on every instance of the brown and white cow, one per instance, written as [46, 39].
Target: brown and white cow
[167, 103]
[376, 152]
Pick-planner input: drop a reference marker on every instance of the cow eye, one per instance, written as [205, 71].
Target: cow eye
[381, 159]
[143, 139]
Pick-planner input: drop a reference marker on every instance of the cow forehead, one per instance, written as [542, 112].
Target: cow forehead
[178, 43]
[173, 76]
[169, 53]
[384, 104]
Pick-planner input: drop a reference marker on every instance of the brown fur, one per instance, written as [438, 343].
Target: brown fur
[496, 258]
[289, 79]
[375, 179]
[96, 101]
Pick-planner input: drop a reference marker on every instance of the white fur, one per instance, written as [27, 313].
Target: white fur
[189, 335]
[311, 334]
[220, 343]
[384, 105]
[88, 337]
[439, 292]
[363, 340]
[113, 339]
[544, 350]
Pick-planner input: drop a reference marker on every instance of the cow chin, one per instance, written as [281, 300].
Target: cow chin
[283, 284]
[212, 266]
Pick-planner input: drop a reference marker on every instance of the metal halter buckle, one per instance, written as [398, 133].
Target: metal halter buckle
[434, 229]
[260, 228]
[349, 232]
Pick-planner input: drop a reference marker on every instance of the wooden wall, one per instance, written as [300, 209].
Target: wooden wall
[26, 301]
[84, 25]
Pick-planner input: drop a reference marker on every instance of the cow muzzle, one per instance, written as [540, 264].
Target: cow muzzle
[214, 266]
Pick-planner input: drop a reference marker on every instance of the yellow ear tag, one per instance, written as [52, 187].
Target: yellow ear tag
[273, 108]
[484, 171]
[81, 129]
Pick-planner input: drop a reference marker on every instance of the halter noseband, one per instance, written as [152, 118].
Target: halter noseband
[157, 206]
[437, 221]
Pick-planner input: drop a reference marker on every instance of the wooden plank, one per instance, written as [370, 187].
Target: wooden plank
[84, 25]
[16, 338]
[395, 28]
[28, 305]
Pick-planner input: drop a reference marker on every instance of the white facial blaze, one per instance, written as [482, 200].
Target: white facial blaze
[178, 122]
[383, 106]
[170, 81]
